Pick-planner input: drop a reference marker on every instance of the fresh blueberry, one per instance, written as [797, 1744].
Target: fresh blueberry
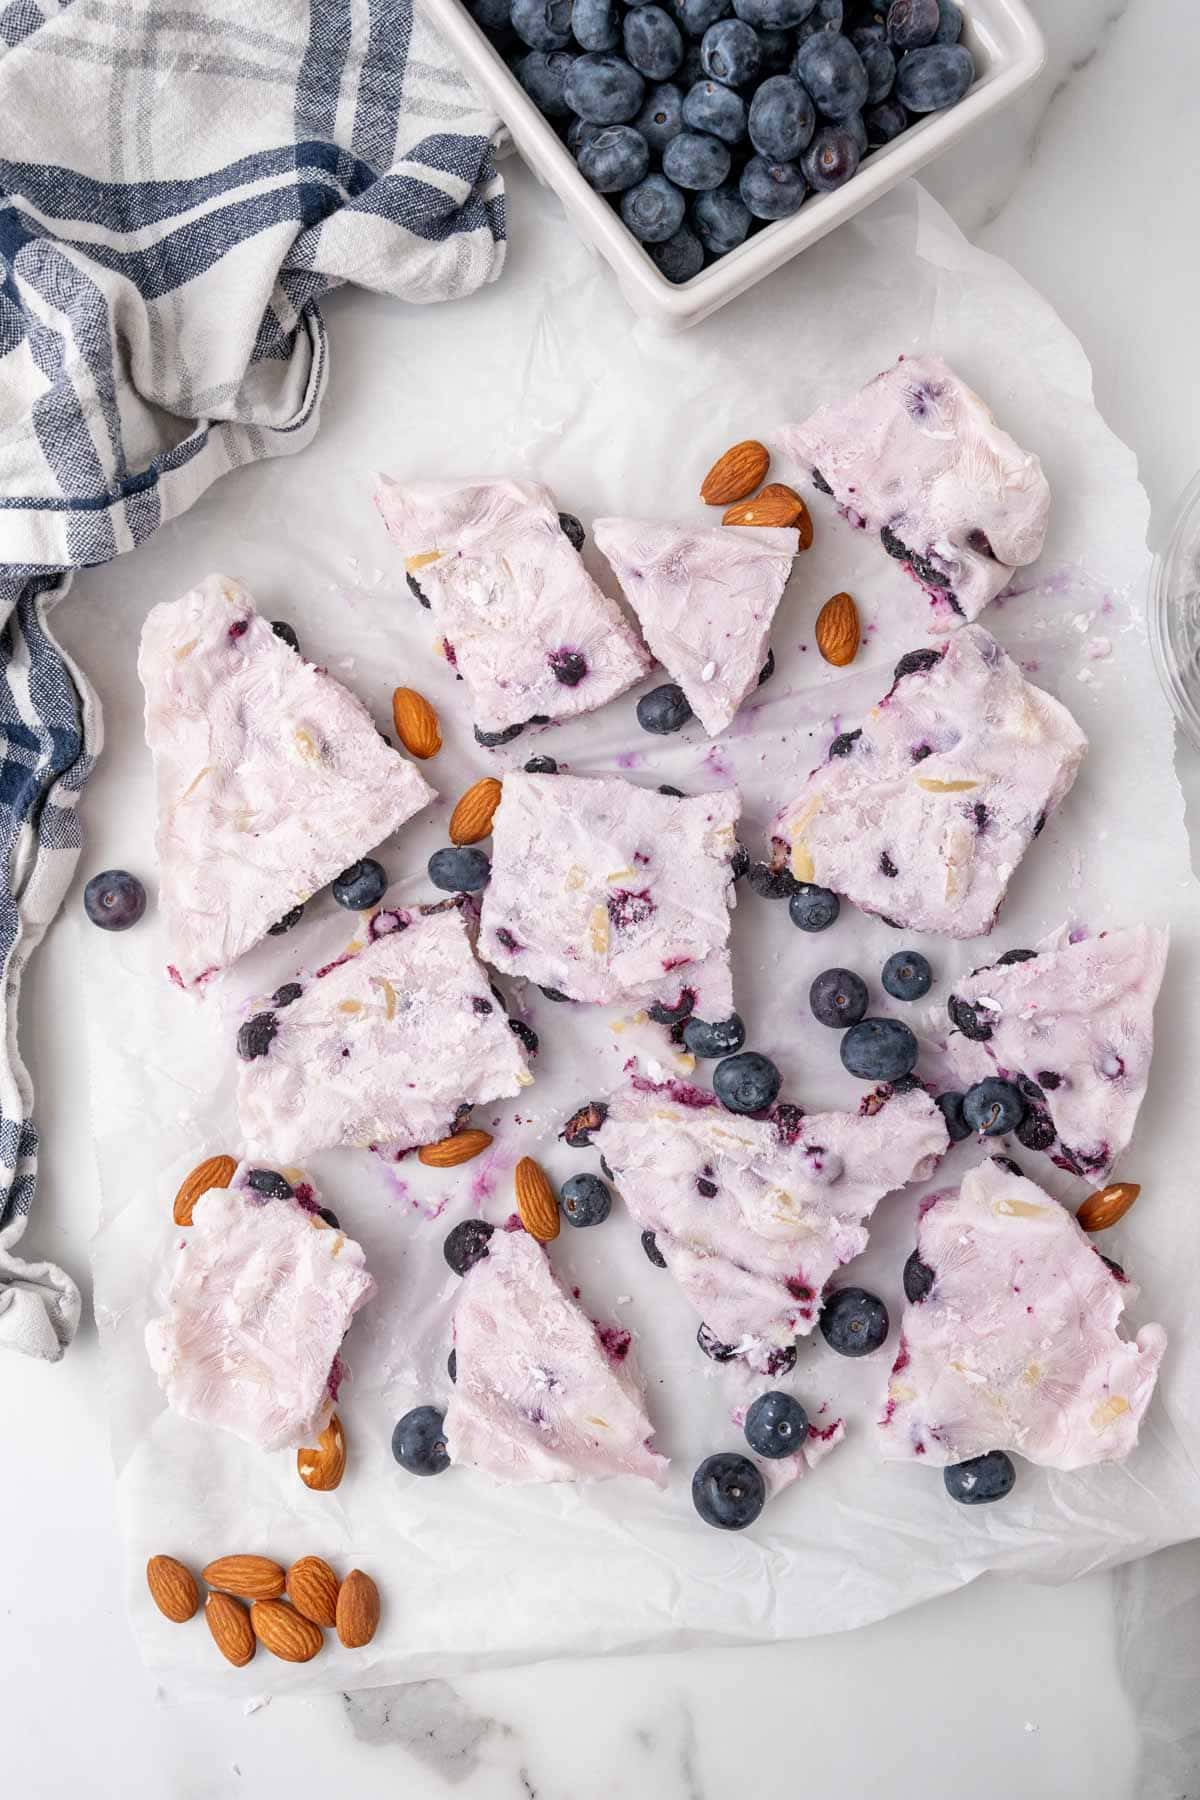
[952, 1111]
[492, 15]
[775, 51]
[712, 107]
[695, 160]
[782, 118]
[697, 15]
[585, 1200]
[720, 219]
[603, 89]
[681, 257]
[577, 1132]
[650, 1246]
[286, 632]
[664, 709]
[114, 900]
[491, 740]
[460, 869]
[772, 190]
[541, 765]
[542, 24]
[542, 74]
[853, 1322]
[419, 1441]
[452, 1365]
[871, 31]
[918, 1278]
[712, 1346]
[880, 64]
[653, 211]
[288, 921]
[746, 1083]
[579, 133]
[813, 908]
[285, 995]
[270, 1184]
[661, 118]
[330, 1217]
[858, 131]
[770, 883]
[778, 15]
[572, 530]
[596, 24]
[980, 1479]
[706, 1040]
[255, 1035]
[906, 975]
[776, 1425]
[728, 1491]
[467, 1244]
[653, 42]
[879, 1050]
[912, 23]
[831, 159]
[838, 998]
[993, 1107]
[884, 122]
[360, 886]
[767, 670]
[928, 80]
[730, 53]
[527, 1035]
[950, 23]
[832, 70]
[827, 15]
[1015, 956]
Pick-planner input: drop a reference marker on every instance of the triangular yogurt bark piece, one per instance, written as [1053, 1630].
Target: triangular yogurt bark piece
[753, 1216]
[705, 599]
[923, 812]
[271, 776]
[1016, 1344]
[1071, 1025]
[541, 1392]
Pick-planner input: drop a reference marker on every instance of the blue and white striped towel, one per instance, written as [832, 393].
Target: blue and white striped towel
[185, 182]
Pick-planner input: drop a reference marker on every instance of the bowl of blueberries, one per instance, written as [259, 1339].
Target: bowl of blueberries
[699, 144]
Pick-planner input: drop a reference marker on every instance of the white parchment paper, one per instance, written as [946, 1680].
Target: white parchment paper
[548, 376]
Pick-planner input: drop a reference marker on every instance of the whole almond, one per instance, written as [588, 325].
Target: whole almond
[776, 505]
[459, 1147]
[535, 1200]
[213, 1172]
[322, 1469]
[742, 468]
[416, 723]
[172, 1588]
[357, 1610]
[838, 632]
[232, 1632]
[313, 1589]
[1107, 1205]
[250, 1577]
[471, 819]
[283, 1631]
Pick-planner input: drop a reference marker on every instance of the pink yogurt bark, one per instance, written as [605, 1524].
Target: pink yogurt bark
[261, 1295]
[380, 1048]
[753, 1216]
[610, 892]
[271, 777]
[1073, 1028]
[541, 1392]
[1017, 1343]
[918, 458]
[705, 600]
[523, 622]
[923, 812]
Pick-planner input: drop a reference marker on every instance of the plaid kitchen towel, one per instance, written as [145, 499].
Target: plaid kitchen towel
[179, 184]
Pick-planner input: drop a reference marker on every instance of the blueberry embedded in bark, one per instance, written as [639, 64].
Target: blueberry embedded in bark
[650, 1246]
[285, 995]
[480, 1005]
[980, 1479]
[967, 1019]
[887, 866]
[1009, 1166]
[768, 668]
[713, 1038]
[712, 1346]
[330, 1217]
[270, 1184]
[918, 1278]
[526, 1034]
[569, 666]
[416, 590]
[553, 993]
[285, 633]
[770, 883]
[673, 1015]
[571, 529]
[739, 863]
[467, 1244]
[577, 1132]
[288, 920]
[1015, 956]
[541, 765]
[255, 1036]
[491, 740]
[916, 662]
[1036, 1130]
[844, 742]
[820, 483]
[452, 1365]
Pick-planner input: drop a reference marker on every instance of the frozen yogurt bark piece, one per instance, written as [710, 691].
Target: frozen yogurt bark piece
[1073, 1028]
[524, 624]
[611, 892]
[271, 777]
[753, 1216]
[1017, 1343]
[923, 813]
[705, 600]
[262, 1292]
[378, 1048]
[541, 1393]
[917, 457]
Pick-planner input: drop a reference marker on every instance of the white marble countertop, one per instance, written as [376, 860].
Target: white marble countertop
[1091, 188]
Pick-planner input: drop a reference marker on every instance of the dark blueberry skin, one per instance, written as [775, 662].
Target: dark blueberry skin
[838, 998]
[950, 23]
[906, 975]
[255, 1036]
[712, 1346]
[1015, 956]
[770, 883]
[542, 74]
[853, 1322]
[916, 662]
[491, 740]
[554, 994]
[542, 24]
[1006, 1162]
[664, 709]
[681, 257]
[728, 1491]
[772, 190]
[912, 23]
[1036, 1130]
[286, 632]
[285, 995]
[467, 1244]
[981, 1479]
[579, 133]
[596, 24]
[832, 70]
[577, 1132]
[650, 1246]
[360, 886]
[711, 107]
[884, 122]
[697, 15]
[858, 131]
[417, 591]
[730, 53]
[604, 89]
[879, 1050]
[452, 1365]
[672, 1015]
[918, 1279]
[993, 1107]
[527, 1035]
[330, 1217]
[653, 211]
[460, 869]
[776, 15]
[928, 80]
[114, 900]
[270, 1184]
[844, 742]
[813, 908]
[705, 1039]
[419, 1441]
[694, 160]
[831, 159]
[782, 118]
[880, 64]
[952, 1111]
[746, 1083]
[653, 42]
[661, 118]
[288, 921]
[721, 219]
[585, 1200]
[740, 864]
[970, 1020]
[827, 15]
[691, 69]
[767, 670]
[491, 15]
[776, 1425]
[572, 530]
[541, 765]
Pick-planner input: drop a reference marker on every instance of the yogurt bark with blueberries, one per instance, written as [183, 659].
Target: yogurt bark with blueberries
[541, 1392]
[705, 600]
[1015, 1343]
[753, 1215]
[523, 622]
[380, 1048]
[922, 814]
[916, 456]
[271, 777]
[1072, 1027]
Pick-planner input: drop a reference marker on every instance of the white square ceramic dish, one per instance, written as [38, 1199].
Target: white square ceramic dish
[1008, 48]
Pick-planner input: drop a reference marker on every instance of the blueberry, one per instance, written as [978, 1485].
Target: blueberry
[579, 1127]
[952, 1111]
[832, 70]
[728, 1491]
[417, 591]
[916, 662]
[779, 15]
[813, 908]
[255, 1035]
[730, 53]
[672, 793]
[650, 1246]
[912, 23]
[697, 15]
[721, 219]
[572, 530]
[664, 709]
[541, 765]
[585, 1200]
[950, 23]
[603, 89]
[542, 74]
[770, 883]
[527, 1035]
[746, 1083]
[653, 42]
[782, 118]
[491, 740]
[570, 666]
[1036, 1130]
[579, 133]
[827, 15]
[419, 1441]
[1015, 956]
[595, 24]
[906, 975]
[360, 886]
[739, 863]
[970, 1020]
[884, 122]
[993, 1107]
[661, 118]
[114, 900]
[980, 1479]
[879, 1050]
[1007, 1163]
[712, 1346]
[772, 190]
[542, 24]
[681, 257]
[460, 869]
[853, 1322]
[930, 79]
[880, 64]
[918, 1278]
[491, 15]
[831, 159]
[858, 131]
[672, 1015]
[285, 995]
[776, 1425]
[286, 632]
[705, 1039]
[838, 997]
[767, 670]
[270, 1184]
[712, 107]
[467, 1244]
[695, 160]
[452, 1365]
[653, 211]
[288, 921]
[553, 993]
